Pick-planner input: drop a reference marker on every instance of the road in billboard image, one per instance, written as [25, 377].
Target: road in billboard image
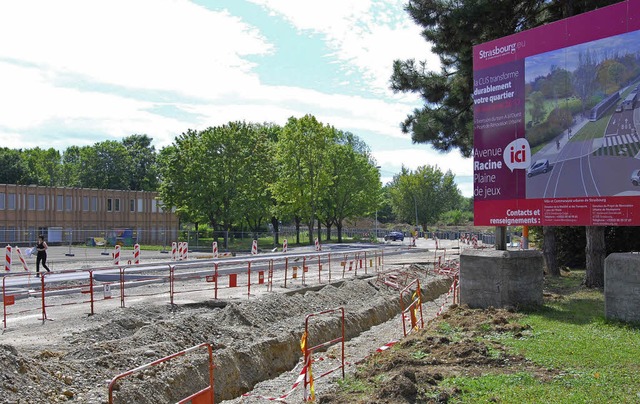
[582, 115]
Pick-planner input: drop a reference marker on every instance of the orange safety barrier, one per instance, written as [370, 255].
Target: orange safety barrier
[204, 396]
[124, 279]
[413, 309]
[308, 351]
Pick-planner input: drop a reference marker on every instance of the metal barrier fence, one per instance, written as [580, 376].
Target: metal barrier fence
[308, 351]
[79, 287]
[204, 396]
[413, 309]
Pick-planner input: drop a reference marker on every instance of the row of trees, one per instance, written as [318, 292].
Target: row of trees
[248, 174]
[129, 164]
[304, 172]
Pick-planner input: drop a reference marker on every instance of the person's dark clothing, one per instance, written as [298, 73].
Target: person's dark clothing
[41, 257]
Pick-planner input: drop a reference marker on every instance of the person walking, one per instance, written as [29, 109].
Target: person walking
[41, 248]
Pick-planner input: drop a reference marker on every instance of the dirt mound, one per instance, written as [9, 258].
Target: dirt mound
[253, 339]
[451, 345]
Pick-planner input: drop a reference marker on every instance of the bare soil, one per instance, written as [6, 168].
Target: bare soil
[255, 341]
[411, 372]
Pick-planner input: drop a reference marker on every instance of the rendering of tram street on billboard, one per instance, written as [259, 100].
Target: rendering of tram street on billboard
[556, 122]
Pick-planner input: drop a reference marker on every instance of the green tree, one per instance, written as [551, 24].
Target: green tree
[105, 165]
[302, 175]
[537, 107]
[143, 172]
[71, 167]
[12, 169]
[42, 167]
[355, 180]
[207, 174]
[420, 197]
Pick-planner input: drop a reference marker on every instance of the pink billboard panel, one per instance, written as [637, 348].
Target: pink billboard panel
[557, 122]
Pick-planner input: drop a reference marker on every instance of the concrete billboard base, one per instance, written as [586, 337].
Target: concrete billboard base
[501, 279]
[622, 287]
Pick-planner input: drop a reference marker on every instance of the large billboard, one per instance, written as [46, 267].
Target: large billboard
[557, 122]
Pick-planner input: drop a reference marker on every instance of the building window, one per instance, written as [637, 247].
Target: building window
[160, 206]
[31, 202]
[68, 203]
[140, 205]
[11, 201]
[41, 202]
[85, 203]
[59, 204]
[2, 202]
[94, 203]
[132, 205]
[117, 204]
[154, 206]
[109, 204]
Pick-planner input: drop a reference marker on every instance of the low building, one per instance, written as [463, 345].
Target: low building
[79, 215]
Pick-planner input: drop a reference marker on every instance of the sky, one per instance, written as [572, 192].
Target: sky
[78, 72]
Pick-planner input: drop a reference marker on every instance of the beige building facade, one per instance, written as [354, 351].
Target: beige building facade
[66, 215]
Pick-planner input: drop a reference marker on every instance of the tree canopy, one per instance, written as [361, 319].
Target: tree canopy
[453, 28]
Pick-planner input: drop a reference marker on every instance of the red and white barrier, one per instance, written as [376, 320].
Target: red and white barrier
[7, 261]
[180, 253]
[185, 251]
[318, 247]
[214, 247]
[284, 245]
[24, 264]
[254, 247]
[116, 255]
[136, 254]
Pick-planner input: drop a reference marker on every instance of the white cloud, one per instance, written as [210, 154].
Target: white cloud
[139, 44]
[367, 35]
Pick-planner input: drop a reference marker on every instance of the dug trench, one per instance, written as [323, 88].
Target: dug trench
[253, 341]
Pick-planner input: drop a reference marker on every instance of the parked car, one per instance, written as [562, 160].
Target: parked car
[539, 167]
[619, 108]
[394, 236]
[635, 177]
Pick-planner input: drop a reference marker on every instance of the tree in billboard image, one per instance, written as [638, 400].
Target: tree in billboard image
[582, 118]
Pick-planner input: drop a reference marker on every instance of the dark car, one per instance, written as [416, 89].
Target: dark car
[394, 236]
[539, 167]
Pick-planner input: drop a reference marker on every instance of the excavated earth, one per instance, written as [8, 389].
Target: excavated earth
[256, 342]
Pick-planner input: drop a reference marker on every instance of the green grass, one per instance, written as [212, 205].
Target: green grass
[593, 360]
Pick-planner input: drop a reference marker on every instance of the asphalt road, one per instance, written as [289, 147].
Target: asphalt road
[581, 168]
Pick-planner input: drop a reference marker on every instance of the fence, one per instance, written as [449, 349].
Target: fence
[206, 395]
[199, 240]
[205, 276]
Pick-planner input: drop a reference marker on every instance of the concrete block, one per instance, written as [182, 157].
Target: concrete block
[496, 278]
[622, 287]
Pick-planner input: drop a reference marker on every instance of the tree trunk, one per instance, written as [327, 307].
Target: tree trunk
[339, 228]
[310, 231]
[297, 219]
[328, 227]
[549, 250]
[276, 229]
[319, 230]
[595, 253]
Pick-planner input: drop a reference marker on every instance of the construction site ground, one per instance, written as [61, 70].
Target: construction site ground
[72, 356]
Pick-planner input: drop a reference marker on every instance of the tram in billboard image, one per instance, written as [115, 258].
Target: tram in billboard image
[603, 106]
